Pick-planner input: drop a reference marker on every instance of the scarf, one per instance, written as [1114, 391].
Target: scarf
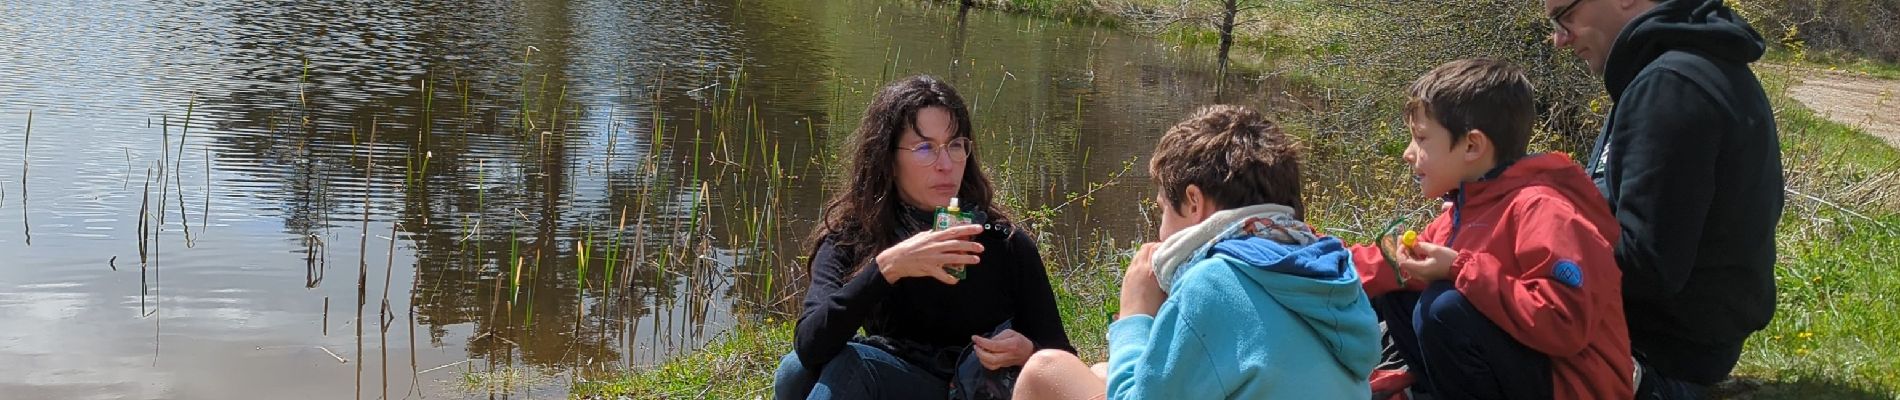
[1270, 221]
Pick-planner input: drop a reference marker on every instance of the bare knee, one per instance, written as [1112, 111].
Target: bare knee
[1046, 358]
[1044, 376]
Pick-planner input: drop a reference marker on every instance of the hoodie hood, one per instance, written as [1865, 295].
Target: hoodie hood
[1317, 282]
[1180, 251]
[1706, 27]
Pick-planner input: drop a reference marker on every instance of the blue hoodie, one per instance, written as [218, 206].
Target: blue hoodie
[1252, 318]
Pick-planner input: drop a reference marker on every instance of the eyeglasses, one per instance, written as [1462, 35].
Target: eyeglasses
[1557, 18]
[925, 154]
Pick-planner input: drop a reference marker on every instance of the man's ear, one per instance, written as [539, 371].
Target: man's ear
[1475, 145]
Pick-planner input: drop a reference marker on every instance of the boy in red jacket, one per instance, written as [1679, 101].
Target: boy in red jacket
[1518, 292]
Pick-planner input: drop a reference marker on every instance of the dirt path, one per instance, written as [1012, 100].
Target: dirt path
[1868, 103]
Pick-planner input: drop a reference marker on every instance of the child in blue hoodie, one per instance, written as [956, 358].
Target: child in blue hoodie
[1241, 299]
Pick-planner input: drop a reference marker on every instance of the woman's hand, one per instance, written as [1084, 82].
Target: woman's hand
[928, 253]
[1007, 349]
[1141, 293]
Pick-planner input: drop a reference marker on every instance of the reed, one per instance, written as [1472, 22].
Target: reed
[145, 236]
[514, 254]
[26, 144]
[580, 259]
[204, 219]
[303, 83]
[315, 260]
[382, 313]
[178, 172]
[165, 145]
[362, 245]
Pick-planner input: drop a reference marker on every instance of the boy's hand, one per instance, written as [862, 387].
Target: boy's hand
[1427, 261]
[1141, 293]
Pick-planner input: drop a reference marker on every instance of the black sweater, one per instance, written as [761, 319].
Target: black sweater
[923, 320]
[1690, 162]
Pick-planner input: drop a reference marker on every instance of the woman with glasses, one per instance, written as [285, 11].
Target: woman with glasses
[876, 265]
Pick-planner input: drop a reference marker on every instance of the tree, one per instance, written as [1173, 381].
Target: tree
[1223, 16]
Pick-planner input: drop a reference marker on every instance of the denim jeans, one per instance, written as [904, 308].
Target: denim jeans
[857, 372]
[1456, 352]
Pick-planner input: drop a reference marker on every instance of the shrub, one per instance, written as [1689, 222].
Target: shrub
[1861, 28]
[1393, 41]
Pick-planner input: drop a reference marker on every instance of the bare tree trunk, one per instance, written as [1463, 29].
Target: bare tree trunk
[1229, 11]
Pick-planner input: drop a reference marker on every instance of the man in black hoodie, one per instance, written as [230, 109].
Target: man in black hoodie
[1690, 162]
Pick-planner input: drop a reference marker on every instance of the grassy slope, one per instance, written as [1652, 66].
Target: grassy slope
[1836, 324]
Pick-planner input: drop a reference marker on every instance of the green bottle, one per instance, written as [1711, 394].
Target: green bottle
[947, 217]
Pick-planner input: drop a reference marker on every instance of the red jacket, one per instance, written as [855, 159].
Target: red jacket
[1535, 255]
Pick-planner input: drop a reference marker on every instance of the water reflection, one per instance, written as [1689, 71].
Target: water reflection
[385, 197]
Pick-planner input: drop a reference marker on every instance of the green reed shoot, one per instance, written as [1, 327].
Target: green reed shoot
[580, 252]
[514, 253]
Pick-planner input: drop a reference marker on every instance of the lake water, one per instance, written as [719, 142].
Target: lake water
[284, 199]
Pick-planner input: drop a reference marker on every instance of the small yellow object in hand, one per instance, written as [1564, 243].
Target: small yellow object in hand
[1410, 239]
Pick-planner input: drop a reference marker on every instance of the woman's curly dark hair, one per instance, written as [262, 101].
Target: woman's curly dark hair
[863, 218]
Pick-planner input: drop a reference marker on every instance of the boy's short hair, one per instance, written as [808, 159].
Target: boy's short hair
[1491, 96]
[1236, 156]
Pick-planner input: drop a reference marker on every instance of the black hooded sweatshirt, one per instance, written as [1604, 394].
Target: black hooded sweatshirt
[1691, 164]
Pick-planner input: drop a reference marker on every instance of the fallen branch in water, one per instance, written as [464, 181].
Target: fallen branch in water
[445, 366]
[339, 359]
